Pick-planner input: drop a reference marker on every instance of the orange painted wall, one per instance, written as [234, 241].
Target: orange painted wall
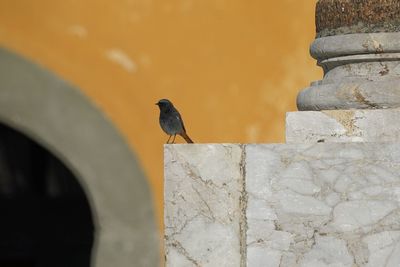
[232, 67]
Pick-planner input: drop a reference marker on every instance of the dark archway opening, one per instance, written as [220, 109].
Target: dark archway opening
[45, 218]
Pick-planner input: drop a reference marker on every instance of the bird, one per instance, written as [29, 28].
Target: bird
[171, 121]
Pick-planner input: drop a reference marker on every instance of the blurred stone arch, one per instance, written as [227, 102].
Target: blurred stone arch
[58, 117]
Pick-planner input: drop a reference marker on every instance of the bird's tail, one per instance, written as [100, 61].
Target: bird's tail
[187, 138]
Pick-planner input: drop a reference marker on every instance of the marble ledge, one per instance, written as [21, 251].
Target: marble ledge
[325, 204]
[202, 192]
[381, 125]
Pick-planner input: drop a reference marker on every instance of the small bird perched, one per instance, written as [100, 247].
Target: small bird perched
[171, 121]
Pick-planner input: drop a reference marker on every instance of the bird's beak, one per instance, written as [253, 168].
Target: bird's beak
[156, 104]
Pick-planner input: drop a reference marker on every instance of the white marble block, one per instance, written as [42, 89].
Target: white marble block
[333, 204]
[283, 205]
[380, 125]
[203, 214]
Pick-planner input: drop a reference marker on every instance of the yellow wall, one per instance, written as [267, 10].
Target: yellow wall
[232, 67]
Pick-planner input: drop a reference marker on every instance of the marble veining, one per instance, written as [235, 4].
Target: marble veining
[203, 187]
[283, 205]
[343, 126]
[323, 204]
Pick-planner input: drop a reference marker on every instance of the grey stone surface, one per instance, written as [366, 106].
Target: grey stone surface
[361, 72]
[393, 26]
[203, 210]
[343, 126]
[59, 117]
[355, 44]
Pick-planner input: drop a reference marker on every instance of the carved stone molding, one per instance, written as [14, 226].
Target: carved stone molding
[361, 69]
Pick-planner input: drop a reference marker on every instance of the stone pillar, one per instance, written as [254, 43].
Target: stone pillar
[330, 196]
[358, 47]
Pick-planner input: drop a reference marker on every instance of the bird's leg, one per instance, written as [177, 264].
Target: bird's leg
[173, 140]
[168, 139]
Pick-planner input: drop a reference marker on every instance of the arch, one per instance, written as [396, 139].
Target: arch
[46, 219]
[60, 118]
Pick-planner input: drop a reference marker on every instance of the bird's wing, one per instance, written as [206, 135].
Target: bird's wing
[180, 119]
